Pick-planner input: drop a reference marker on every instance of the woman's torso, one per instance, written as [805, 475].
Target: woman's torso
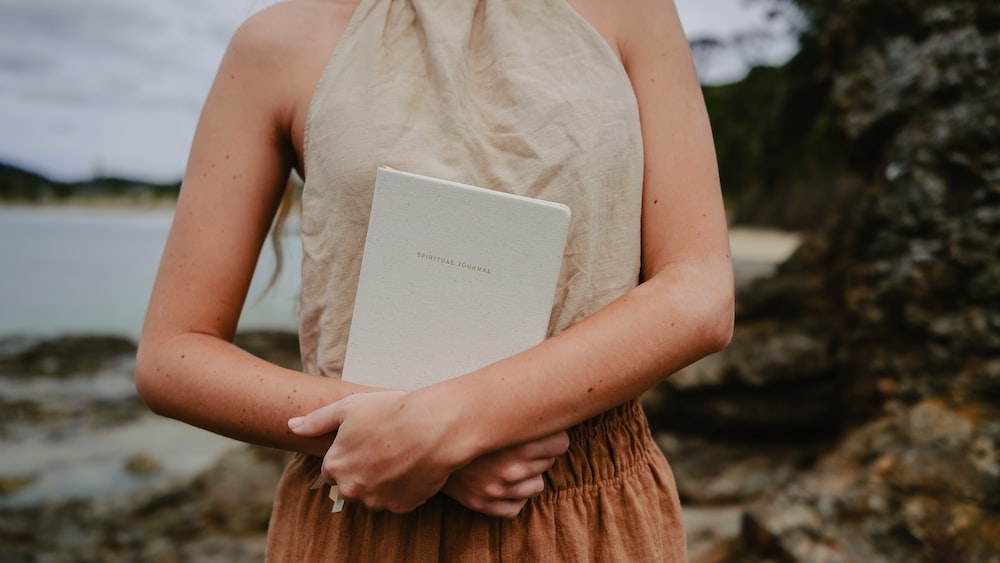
[524, 97]
[321, 24]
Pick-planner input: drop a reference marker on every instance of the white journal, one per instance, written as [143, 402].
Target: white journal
[454, 277]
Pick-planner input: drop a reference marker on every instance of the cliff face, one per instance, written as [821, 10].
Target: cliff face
[918, 261]
[882, 334]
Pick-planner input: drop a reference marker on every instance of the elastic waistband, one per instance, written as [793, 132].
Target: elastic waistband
[602, 449]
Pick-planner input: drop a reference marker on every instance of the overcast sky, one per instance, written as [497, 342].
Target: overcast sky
[114, 87]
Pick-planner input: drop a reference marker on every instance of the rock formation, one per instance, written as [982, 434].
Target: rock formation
[874, 353]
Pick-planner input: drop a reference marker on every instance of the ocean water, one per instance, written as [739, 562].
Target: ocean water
[91, 271]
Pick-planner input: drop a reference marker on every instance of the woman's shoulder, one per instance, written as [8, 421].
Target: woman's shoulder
[629, 25]
[294, 25]
[287, 45]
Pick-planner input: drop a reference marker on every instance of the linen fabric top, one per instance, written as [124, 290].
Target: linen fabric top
[521, 96]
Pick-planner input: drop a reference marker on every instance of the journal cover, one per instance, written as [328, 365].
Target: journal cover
[454, 277]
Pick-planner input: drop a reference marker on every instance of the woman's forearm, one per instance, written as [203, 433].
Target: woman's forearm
[208, 382]
[678, 317]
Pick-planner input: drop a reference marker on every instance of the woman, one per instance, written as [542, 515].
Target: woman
[593, 103]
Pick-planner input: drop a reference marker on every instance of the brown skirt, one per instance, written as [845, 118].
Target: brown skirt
[611, 497]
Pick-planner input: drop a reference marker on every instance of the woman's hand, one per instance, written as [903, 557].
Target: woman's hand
[391, 452]
[502, 482]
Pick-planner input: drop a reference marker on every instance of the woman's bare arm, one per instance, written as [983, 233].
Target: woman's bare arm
[683, 309]
[239, 164]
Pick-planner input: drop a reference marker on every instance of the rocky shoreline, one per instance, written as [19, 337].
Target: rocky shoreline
[87, 473]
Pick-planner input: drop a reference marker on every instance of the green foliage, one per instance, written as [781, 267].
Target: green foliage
[17, 185]
[815, 11]
[774, 128]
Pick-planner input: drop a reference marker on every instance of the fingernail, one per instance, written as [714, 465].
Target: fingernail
[294, 423]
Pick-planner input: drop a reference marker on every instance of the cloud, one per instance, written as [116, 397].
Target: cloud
[730, 36]
[82, 81]
[115, 86]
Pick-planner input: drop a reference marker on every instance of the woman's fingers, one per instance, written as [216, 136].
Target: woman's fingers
[505, 504]
[387, 452]
[549, 446]
[524, 490]
[508, 508]
[528, 460]
[498, 484]
[323, 420]
[501, 483]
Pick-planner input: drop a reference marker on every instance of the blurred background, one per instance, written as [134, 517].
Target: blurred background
[852, 419]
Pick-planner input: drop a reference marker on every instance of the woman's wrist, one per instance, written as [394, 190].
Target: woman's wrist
[460, 435]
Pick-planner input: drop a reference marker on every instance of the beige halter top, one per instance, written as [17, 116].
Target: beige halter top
[522, 96]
